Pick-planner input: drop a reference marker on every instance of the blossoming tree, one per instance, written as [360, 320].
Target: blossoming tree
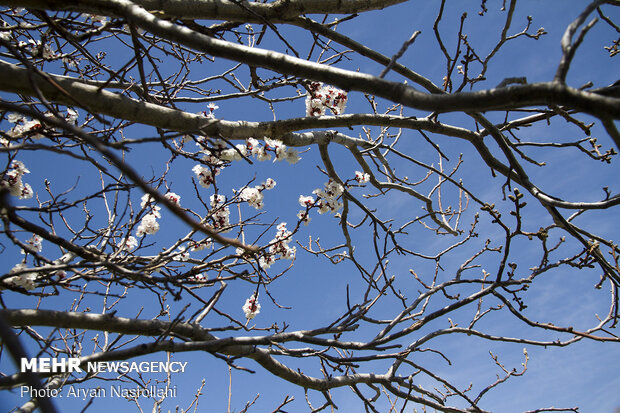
[262, 187]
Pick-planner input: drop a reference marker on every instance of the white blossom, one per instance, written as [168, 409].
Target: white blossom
[204, 175]
[221, 213]
[72, 116]
[362, 177]
[278, 248]
[269, 184]
[292, 156]
[176, 199]
[128, 244]
[181, 255]
[306, 201]
[265, 261]
[13, 181]
[252, 145]
[27, 192]
[202, 277]
[146, 200]
[231, 155]
[328, 197]
[262, 154]
[25, 280]
[200, 245]
[251, 307]
[210, 113]
[323, 97]
[253, 196]
[35, 243]
[14, 117]
[148, 225]
[304, 217]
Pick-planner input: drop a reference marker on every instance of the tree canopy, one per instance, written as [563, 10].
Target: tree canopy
[363, 205]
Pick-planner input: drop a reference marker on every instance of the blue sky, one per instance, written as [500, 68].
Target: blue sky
[582, 375]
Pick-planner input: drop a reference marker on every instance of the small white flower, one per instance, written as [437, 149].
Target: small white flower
[35, 242]
[176, 199]
[98, 19]
[265, 261]
[15, 117]
[289, 253]
[306, 201]
[217, 200]
[252, 145]
[204, 176]
[26, 192]
[148, 225]
[304, 217]
[262, 154]
[251, 307]
[362, 177]
[211, 112]
[253, 196]
[146, 200]
[292, 156]
[181, 255]
[130, 244]
[221, 213]
[201, 245]
[231, 155]
[72, 116]
[25, 280]
[13, 180]
[47, 52]
[202, 277]
[322, 98]
[269, 184]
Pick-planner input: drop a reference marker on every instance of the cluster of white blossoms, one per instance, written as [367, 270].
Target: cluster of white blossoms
[205, 176]
[306, 202]
[210, 113]
[174, 198]
[72, 116]
[361, 177]
[25, 126]
[201, 277]
[251, 307]
[13, 181]
[25, 280]
[278, 248]
[200, 245]
[254, 196]
[182, 253]
[220, 213]
[326, 201]
[252, 147]
[328, 198]
[36, 48]
[128, 244]
[35, 243]
[95, 18]
[149, 224]
[324, 97]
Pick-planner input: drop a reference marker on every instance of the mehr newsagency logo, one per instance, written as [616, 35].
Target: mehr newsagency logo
[71, 365]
